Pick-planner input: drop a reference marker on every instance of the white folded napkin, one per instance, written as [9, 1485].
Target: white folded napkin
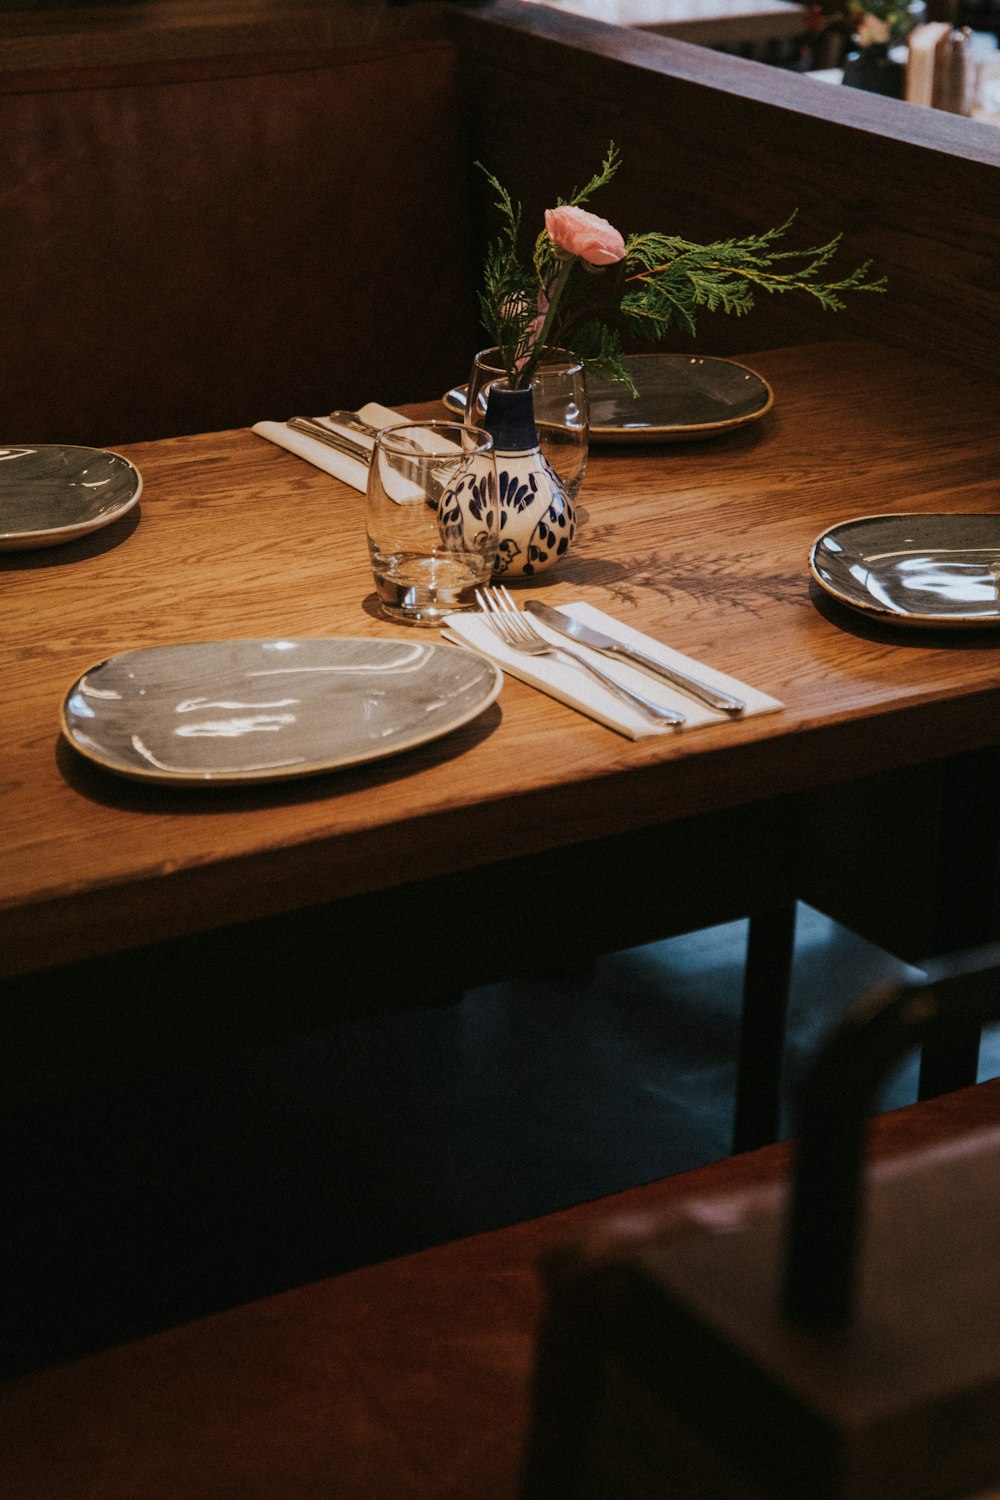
[562, 679]
[351, 470]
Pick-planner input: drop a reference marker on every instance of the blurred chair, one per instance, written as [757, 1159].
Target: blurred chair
[742, 1347]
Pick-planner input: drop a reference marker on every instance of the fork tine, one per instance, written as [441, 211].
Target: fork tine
[517, 631]
[520, 627]
[494, 614]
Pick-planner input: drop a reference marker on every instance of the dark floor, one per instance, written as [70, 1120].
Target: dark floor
[152, 1202]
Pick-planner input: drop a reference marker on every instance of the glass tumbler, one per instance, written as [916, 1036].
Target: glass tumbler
[562, 411]
[432, 519]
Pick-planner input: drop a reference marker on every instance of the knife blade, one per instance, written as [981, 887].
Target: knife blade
[340, 441]
[597, 641]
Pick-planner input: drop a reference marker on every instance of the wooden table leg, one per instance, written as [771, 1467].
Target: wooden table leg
[966, 897]
[770, 949]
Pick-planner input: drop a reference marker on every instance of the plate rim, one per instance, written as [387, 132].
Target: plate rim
[284, 773]
[917, 621]
[54, 536]
[673, 432]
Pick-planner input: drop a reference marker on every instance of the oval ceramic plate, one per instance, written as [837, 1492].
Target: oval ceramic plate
[52, 493]
[934, 571]
[251, 710]
[681, 398]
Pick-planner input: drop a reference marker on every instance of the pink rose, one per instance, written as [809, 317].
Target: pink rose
[579, 233]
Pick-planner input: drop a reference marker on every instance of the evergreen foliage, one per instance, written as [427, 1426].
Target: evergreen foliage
[663, 283]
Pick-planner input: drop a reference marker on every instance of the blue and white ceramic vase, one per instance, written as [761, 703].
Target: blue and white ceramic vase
[537, 517]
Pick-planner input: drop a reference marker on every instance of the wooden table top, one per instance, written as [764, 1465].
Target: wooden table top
[710, 23]
[703, 545]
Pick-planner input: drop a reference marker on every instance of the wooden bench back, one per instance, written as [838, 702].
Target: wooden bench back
[194, 245]
[715, 146]
[195, 242]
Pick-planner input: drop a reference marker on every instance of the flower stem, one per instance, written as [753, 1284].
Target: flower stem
[527, 369]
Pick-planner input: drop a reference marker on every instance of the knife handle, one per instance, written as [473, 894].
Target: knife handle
[339, 441]
[654, 711]
[713, 697]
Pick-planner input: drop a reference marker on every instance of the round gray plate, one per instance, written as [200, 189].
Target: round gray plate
[52, 493]
[925, 570]
[250, 710]
[681, 398]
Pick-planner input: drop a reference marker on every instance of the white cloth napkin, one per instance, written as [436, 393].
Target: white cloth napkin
[351, 470]
[562, 679]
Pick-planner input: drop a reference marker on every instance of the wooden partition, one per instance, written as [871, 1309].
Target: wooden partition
[213, 211]
[715, 146]
[190, 243]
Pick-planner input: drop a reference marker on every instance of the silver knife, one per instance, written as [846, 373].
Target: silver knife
[598, 641]
[350, 449]
[341, 442]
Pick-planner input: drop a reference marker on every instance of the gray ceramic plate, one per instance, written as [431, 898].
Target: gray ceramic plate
[51, 493]
[681, 398]
[926, 570]
[245, 710]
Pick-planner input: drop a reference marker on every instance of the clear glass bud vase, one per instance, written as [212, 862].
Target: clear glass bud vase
[562, 411]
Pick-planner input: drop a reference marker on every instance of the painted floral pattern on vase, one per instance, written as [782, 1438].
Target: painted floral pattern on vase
[537, 516]
[465, 511]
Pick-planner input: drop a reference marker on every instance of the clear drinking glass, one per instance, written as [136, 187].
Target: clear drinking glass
[562, 411]
[432, 519]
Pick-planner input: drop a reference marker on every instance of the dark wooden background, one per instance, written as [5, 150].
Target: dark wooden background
[212, 213]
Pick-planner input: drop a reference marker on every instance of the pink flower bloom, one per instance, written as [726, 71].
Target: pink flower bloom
[579, 233]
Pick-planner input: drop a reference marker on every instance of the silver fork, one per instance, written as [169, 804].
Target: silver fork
[516, 631]
[351, 420]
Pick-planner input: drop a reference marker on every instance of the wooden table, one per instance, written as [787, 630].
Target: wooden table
[709, 23]
[530, 834]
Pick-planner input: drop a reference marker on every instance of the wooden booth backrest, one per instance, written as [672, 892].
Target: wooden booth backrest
[196, 240]
[196, 244]
[715, 146]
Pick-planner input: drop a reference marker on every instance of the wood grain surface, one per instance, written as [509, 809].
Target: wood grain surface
[198, 243]
[89, 36]
[702, 545]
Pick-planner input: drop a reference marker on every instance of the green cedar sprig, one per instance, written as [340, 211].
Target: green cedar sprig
[663, 283]
[513, 298]
[668, 278]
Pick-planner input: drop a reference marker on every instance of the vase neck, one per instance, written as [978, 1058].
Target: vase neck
[510, 419]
